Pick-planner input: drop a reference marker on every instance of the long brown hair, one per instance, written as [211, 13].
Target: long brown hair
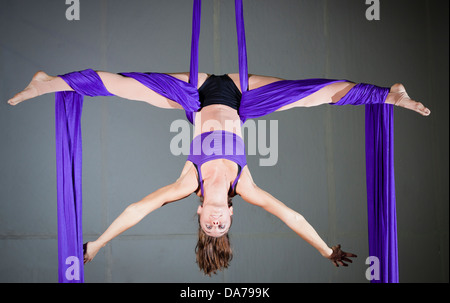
[213, 253]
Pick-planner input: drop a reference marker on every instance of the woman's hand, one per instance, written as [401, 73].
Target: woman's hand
[90, 249]
[339, 257]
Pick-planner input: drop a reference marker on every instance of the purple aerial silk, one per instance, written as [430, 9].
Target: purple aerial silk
[196, 22]
[269, 98]
[364, 94]
[242, 46]
[380, 178]
[255, 103]
[68, 110]
[172, 88]
[381, 204]
[185, 94]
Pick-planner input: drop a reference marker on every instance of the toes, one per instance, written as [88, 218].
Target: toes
[16, 99]
[28, 93]
[420, 108]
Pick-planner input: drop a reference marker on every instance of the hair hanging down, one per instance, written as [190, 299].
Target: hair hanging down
[213, 253]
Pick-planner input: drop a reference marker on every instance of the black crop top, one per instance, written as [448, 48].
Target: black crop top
[220, 90]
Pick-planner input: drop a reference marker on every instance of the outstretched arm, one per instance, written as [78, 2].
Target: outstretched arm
[135, 212]
[251, 193]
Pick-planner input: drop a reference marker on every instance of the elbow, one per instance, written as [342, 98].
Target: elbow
[132, 208]
[291, 217]
[298, 217]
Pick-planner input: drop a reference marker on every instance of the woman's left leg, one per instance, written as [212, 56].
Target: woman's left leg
[329, 94]
[334, 92]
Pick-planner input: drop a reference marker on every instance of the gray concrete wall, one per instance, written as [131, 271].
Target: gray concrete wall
[321, 162]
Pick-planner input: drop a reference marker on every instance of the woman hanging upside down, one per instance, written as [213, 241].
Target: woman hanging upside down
[217, 173]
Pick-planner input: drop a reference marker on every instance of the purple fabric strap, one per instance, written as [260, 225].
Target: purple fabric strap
[379, 147]
[185, 94]
[364, 94]
[86, 83]
[196, 22]
[242, 45]
[172, 88]
[269, 98]
[68, 110]
[380, 178]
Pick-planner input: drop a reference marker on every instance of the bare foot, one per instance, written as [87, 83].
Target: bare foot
[399, 97]
[33, 89]
[90, 249]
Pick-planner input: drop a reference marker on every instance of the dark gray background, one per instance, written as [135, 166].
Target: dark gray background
[321, 167]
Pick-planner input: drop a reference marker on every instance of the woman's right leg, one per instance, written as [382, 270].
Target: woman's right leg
[129, 88]
[40, 84]
[124, 87]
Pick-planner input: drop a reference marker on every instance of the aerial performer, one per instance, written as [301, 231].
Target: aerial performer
[216, 169]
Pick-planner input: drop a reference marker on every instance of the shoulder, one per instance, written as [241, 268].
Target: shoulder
[245, 183]
[249, 191]
[188, 180]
